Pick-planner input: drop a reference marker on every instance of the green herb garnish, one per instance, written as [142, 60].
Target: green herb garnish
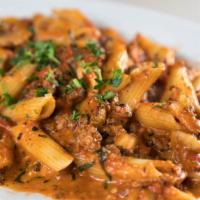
[7, 99]
[86, 166]
[108, 95]
[74, 84]
[33, 78]
[99, 78]
[117, 78]
[24, 56]
[2, 72]
[94, 48]
[40, 92]
[44, 53]
[78, 57]
[51, 78]
[75, 115]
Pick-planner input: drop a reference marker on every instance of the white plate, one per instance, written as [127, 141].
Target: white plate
[182, 34]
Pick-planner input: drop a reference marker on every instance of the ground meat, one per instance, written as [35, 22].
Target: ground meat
[118, 113]
[78, 135]
[99, 117]
[75, 96]
[87, 137]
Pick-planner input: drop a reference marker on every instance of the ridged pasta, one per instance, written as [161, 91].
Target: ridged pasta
[13, 82]
[118, 57]
[180, 88]
[149, 113]
[142, 79]
[155, 51]
[36, 108]
[41, 146]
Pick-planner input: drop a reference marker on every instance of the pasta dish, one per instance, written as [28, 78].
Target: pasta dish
[84, 115]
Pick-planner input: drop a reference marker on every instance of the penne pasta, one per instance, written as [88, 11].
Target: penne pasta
[15, 32]
[185, 117]
[155, 51]
[91, 163]
[185, 140]
[172, 193]
[196, 83]
[37, 108]
[41, 146]
[148, 113]
[118, 56]
[180, 88]
[13, 82]
[142, 79]
[4, 56]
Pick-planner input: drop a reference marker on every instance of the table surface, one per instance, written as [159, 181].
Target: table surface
[189, 9]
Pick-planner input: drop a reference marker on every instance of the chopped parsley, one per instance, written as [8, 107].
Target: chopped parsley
[99, 80]
[32, 78]
[2, 72]
[99, 84]
[7, 99]
[75, 115]
[78, 57]
[108, 95]
[51, 77]
[88, 66]
[24, 56]
[44, 53]
[86, 166]
[94, 48]
[40, 92]
[117, 78]
[74, 84]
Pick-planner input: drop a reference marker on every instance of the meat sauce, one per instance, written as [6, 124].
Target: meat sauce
[124, 117]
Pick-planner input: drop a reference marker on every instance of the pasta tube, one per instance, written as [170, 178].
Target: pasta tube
[91, 163]
[15, 32]
[196, 83]
[142, 79]
[185, 117]
[155, 51]
[13, 82]
[180, 88]
[31, 109]
[185, 140]
[149, 113]
[41, 146]
[118, 57]
[171, 193]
